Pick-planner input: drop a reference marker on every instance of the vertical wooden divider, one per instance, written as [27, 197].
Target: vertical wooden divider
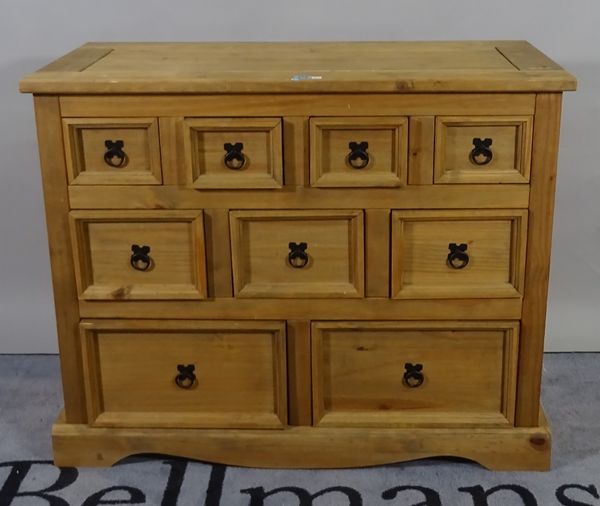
[377, 252]
[218, 253]
[299, 372]
[295, 151]
[421, 141]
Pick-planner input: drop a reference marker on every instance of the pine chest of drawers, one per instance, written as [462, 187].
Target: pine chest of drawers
[301, 254]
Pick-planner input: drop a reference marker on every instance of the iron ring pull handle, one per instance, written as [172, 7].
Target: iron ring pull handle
[140, 257]
[114, 150]
[458, 258]
[234, 159]
[298, 257]
[358, 158]
[413, 375]
[186, 377]
[481, 154]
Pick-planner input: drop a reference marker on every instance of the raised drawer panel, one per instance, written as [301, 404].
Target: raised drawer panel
[112, 151]
[132, 255]
[358, 151]
[458, 254]
[233, 153]
[482, 149]
[185, 373]
[298, 253]
[394, 374]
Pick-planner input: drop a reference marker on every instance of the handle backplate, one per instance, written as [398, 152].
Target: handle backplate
[234, 159]
[186, 376]
[481, 154]
[140, 257]
[298, 257]
[413, 375]
[358, 158]
[458, 258]
[114, 155]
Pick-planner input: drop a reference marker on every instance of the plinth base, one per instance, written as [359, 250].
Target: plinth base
[514, 448]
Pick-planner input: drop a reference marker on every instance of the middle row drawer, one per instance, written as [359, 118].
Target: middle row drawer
[161, 255]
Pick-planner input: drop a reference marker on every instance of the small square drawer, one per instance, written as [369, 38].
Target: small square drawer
[458, 254]
[119, 151]
[233, 153]
[207, 374]
[297, 253]
[394, 374]
[482, 149]
[129, 255]
[358, 151]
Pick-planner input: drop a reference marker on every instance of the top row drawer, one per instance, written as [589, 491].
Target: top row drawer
[238, 153]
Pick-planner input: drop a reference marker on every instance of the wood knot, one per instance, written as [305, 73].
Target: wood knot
[538, 440]
[121, 293]
[404, 85]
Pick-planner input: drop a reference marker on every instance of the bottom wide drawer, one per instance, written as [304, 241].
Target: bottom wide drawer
[204, 374]
[395, 374]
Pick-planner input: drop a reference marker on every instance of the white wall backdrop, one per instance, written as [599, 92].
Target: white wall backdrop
[33, 32]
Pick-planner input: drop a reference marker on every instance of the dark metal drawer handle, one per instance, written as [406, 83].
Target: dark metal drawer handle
[114, 155]
[481, 154]
[140, 257]
[358, 158]
[458, 258]
[186, 377]
[297, 257]
[413, 375]
[234, 159]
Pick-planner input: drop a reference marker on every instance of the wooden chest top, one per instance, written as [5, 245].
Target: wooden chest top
[291, 67]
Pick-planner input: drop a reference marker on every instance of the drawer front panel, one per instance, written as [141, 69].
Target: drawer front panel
[458, 254]
[297, 253]
[480, 149]
[129, 255]
[419, 373]
[112, 151]
[358, 151]
[234, 153]
[185, 373]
